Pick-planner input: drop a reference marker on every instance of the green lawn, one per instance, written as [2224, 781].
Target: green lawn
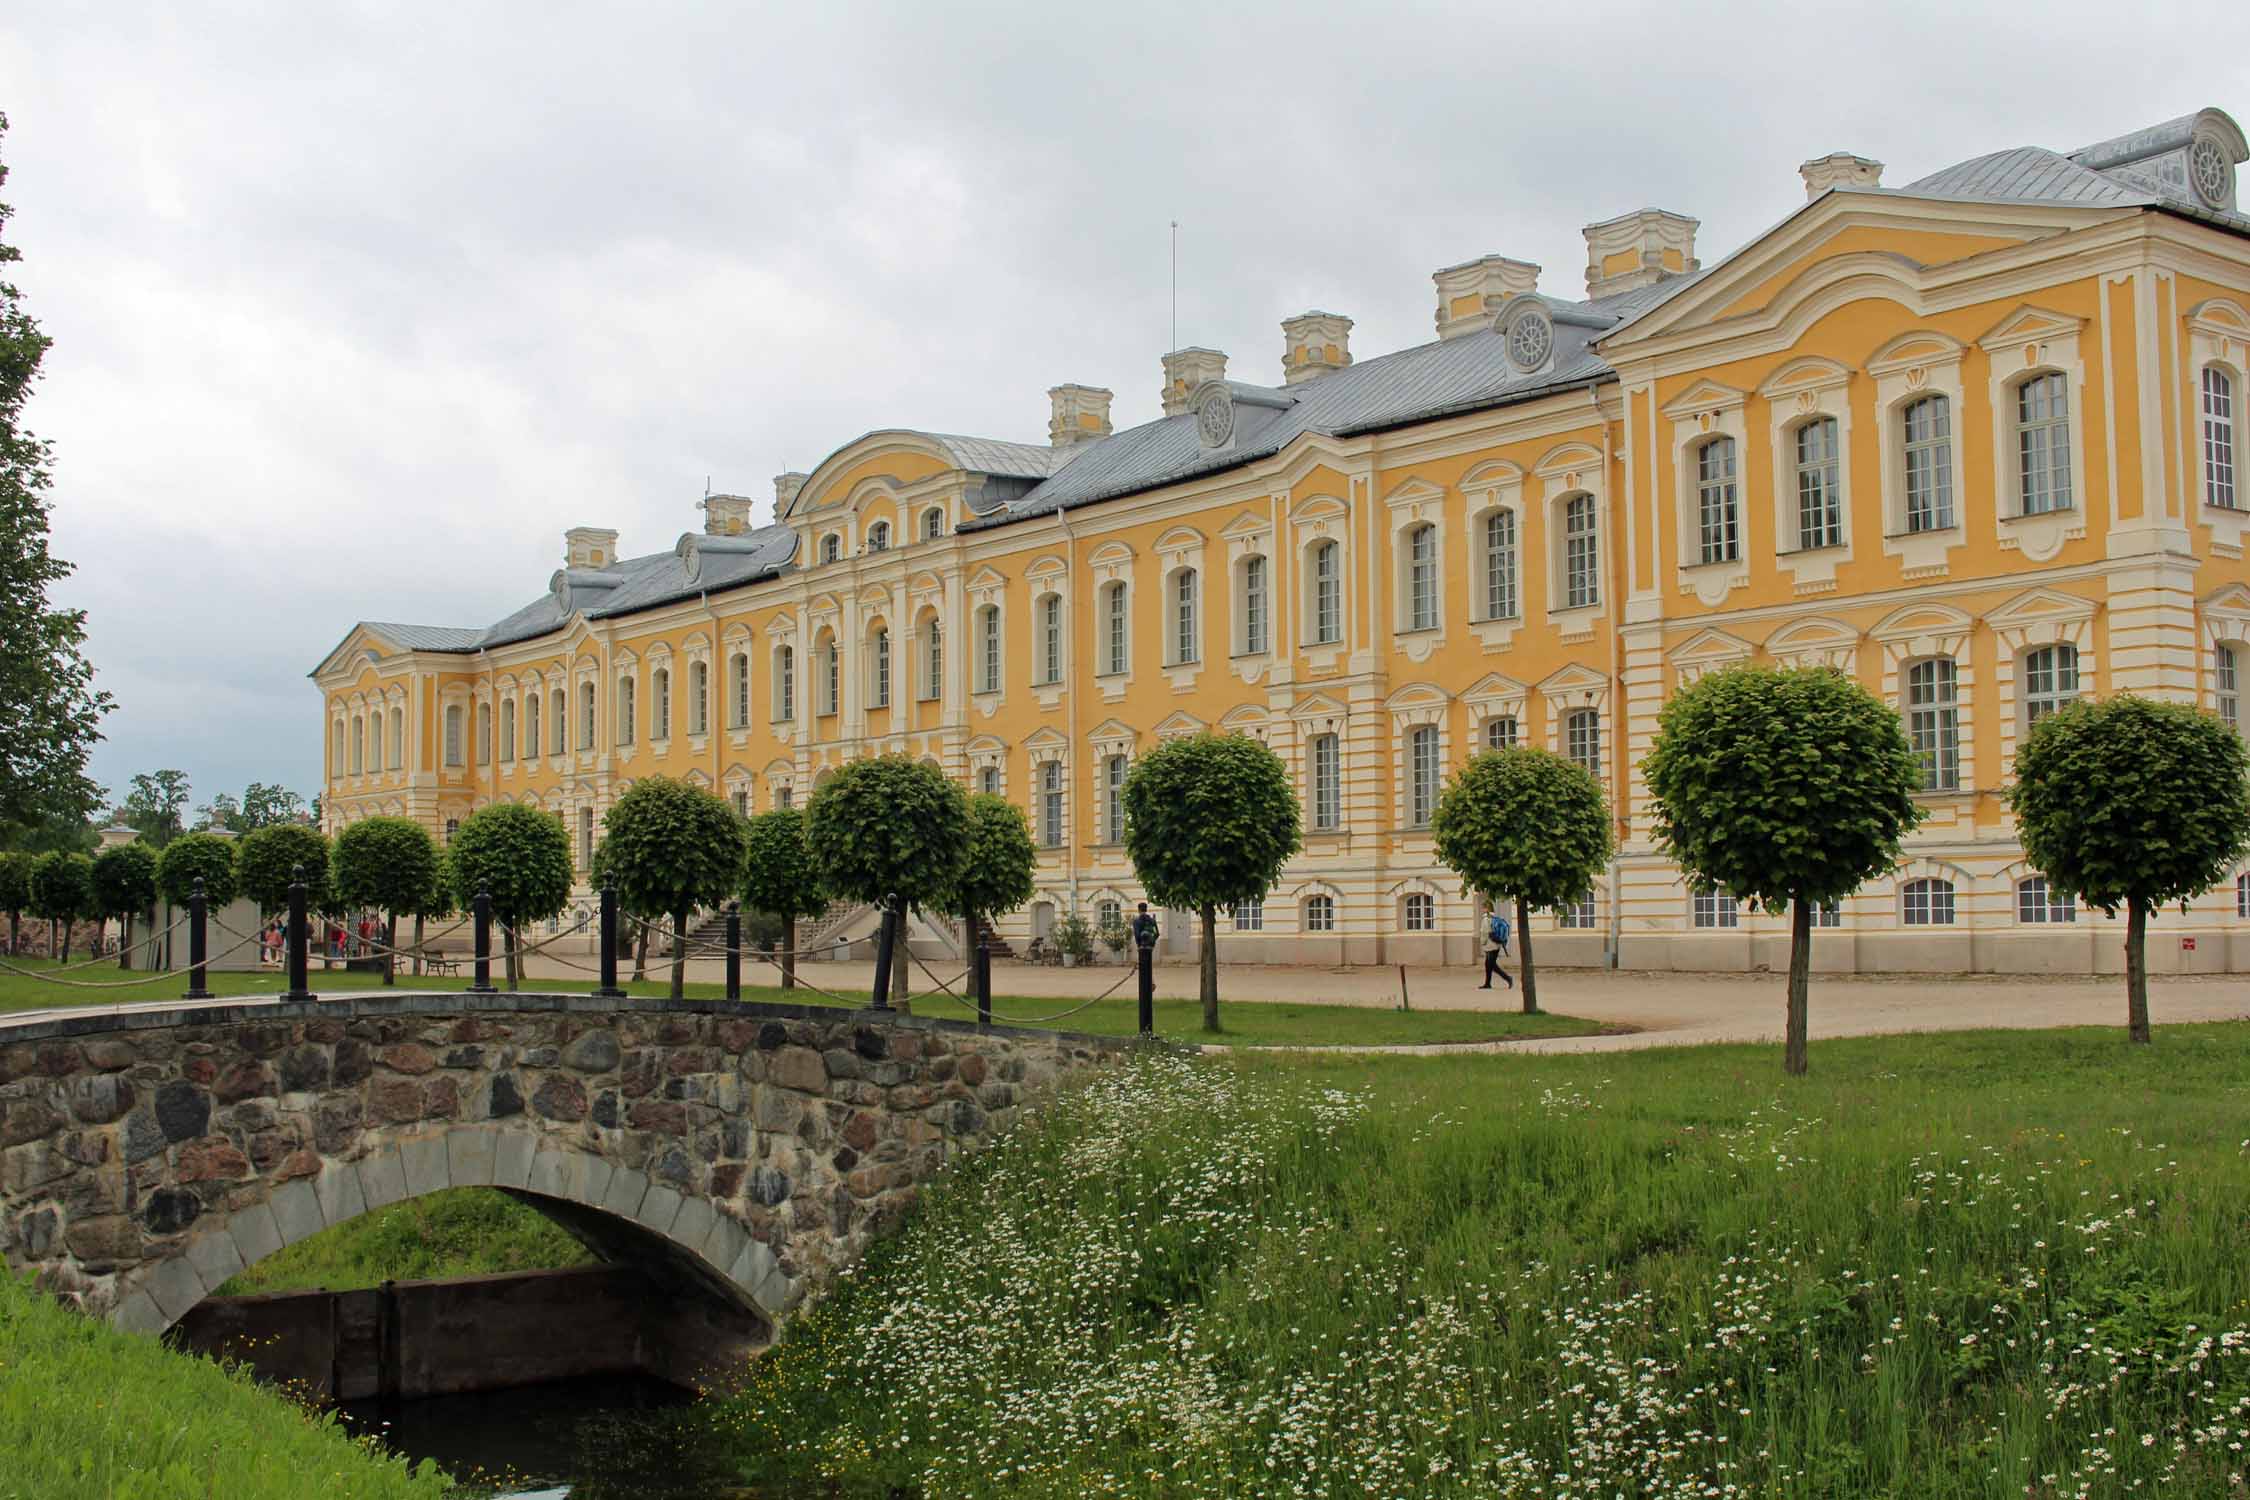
[1983, 1264]
[1247, 1023]
[457, 1232]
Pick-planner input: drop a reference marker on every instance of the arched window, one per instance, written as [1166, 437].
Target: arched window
[1581, 554]
[988, 649]
[1718, 518]
[988, 781]
[453, 734]
[558, 738]
[2050, 679]
[1327, 783]
[1582, 739]
[359, 743]
[1500, 565]
[481, 747]
[831, 547]
[1500, 733]
[1249, 916]
[1717, 909]
[1051, 804]
[1926, 431]
[1421, 578]
[881, 687]
[784, 684]
[1420, 910]
[1421, 775]
[1820, 498]
[1255, 609]
[827, 679]
[398, 740]
[738, 689]
[532, 721]
[1927, 903]
[1113, 799]
[699, 698]
[627, 694]
[1187, 633]
[508, 729]
[879, 537]
[340, 764]
[1933, 722]
[2226, 678]
[2037, 905]
[2218, 438]
[586, 713]
[1327, 593]
[1116, 628]
[1320, 914]
[660, 704]
[933, 524]
[2043, 445]
[1050, 639]
[933, 659]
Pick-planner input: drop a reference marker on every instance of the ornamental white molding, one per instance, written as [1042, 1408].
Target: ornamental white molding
[2219, 335]
[1801, 392]
[1921, 363]
[1817, 642]
[1706, 651]
[2033, 341]
[1706, 412]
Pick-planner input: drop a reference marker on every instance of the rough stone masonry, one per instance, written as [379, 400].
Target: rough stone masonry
[145, 1157]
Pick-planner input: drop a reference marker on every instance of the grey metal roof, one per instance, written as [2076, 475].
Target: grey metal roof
[993, 456]
[426, 637]
[2029, 174]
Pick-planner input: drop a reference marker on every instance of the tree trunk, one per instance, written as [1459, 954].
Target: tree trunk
[125, 941]
[788, 952]
[1529, 975]
[65, 940]
[15, 933]
[2136, 970]
[417, 945]
[509, 961]
[1793, 1060]
[390, 953]
[101, 930]
[640, 954]
[1210, 966]
[679, 955]
[901, 961]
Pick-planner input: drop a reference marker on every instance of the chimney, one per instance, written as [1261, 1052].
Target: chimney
[1185, 370]
[726, 515]
[785, 487]
[1839, 169]
[1314, 344]
[589, 547]
[1635, 250]
[1077, 414]
[1469, 295]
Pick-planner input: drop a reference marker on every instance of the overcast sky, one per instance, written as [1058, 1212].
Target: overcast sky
[357, 307]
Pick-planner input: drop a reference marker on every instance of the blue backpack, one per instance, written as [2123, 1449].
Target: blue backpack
[1498, 930]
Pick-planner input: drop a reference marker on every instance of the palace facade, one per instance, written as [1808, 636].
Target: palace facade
[1976, 440]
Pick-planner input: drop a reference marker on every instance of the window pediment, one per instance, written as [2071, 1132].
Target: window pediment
[1923, 619]
[1415, 491]
[1566, 460]
[1916, 349]
[2038, 606]
[1417, 695]
[1811, 373]
[1710, 648]
[1703, 398]
[1317, 706]
[2029, 325]
[1180, 726]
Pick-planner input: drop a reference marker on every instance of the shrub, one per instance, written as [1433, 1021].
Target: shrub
[192, 857]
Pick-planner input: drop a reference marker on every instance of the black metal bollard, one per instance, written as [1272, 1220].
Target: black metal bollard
[885, 936]
[734, 950]
[481, 907]
[1148, 988]
[298, 895]
[195, 945]
[984, 975]
[609, 989]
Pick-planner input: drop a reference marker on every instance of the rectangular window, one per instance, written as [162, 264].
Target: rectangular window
[2050, 679]
[785, 686]
[1717, 909]
[828, 675]
[1113, 799]
[1186, 645]
[531, 723]
[1828, 914]
[1249, 916]
[452, 736]
[988, 660]
[1820, 506]
[1500, 733]
[1580, 590]
[625, 707]
[1579, 916]
[1328, 595]
[1327, 782]
[1421, 578]
[988, 781]
[1051, 804]
[1716, 513]
[1582, 740]
[882, 693]
[1421, 912]
[1050, 638]
[559, 742]
[1927, 427]
[1117, 629]
[741, 673]
[586, 715]
[2224, 671]
[699, 706]
[2038, 905]
[2043, 445]
[1320, 914]
[1254, 606]
[742, 803]
[1500, 565]
[1422, 776]
[1927, 903]
[1933, 722]
[2218, 438]
[933, 661]
[508, 729]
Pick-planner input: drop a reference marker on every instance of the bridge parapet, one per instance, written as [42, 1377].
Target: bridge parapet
[753, 1149]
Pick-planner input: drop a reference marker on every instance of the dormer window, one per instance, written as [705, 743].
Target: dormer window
[831, 547]
[933, 524]
[879, 537]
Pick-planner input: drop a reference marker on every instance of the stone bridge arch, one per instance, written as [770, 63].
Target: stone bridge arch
[745, 1152]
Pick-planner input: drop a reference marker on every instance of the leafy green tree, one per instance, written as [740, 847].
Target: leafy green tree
[1786, 787]
[263, 806]
[192, 857]
[62, 890]
[1528, 824]
[154, 805]
[522, 856]
[388, 864]
[50, 714]
[15, 893]
[634, 933]
[221, 814]
[125, 888]
[885, 826]
[265, 865]
[2132, 803]
[780, 878]
[1210, 819]
[672, 848]
[437, 903]
[998, 874]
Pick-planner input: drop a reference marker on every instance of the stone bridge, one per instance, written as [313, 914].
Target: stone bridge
[738, 1153]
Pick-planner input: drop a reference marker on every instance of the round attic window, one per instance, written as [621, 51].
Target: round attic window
[1214, 418]
[2210, 171]
[1531, 338]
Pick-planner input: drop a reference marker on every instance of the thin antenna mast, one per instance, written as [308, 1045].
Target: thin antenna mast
[1175, 285]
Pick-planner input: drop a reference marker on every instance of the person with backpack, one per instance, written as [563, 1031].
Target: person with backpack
[1495, 943]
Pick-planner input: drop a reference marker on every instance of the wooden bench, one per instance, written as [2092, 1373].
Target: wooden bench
[438, 961]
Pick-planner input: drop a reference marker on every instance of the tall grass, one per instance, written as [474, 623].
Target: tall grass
[1982, 1265]
[453, 1232]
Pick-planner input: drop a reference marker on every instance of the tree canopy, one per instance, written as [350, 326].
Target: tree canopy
[62, 887]
[672, 848]
[265, 862]
[1780, 786]
[192, 857]
[50, 713]
[125, 880]
[780, 878]
[264, 806]
[388, 864]
[2134, 803]
[1210, 819]
[1526, 824]
[997, 877]
[15, 882]
[522, 856]
[155, 803]
[888, 825]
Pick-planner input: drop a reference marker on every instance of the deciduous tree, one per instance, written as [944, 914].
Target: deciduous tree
[192, 857]
[2133, 803]
[998, 875]
[1210, 820]
[780, 878]
[15, 893]
[522, 856]
[1785, 787]
[672, 848]
[1526, 824]
[154, 805]
[124, 888]
[263, 806]
[389, 864]
[62, 890]
[885, 826]
[265, 865]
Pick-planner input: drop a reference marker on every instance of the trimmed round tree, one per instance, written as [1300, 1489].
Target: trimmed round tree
[15, 893]
[2131, 802]
[1528, 824]
[1210, 820]
[62, 890]
[1788, 787]
[889, 826]
[265, 864]
[192, 857]
[522, 857]
[997, 877]
[633, 934]
[672, 848]
[124, 888]
[436, 904]
[780, 878]
[389, 864]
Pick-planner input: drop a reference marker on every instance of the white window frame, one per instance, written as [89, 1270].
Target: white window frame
[1324, 756]
[879, 656]
[1324, 624]
[738, 671]
[879, 537]
[831, 547]
[2039, 905]
[1419, 560]
[1717, 462]
[2050, 683]
[1054, 805]
[785, 683]
[1114, 768]
[1714, 911]
[1425, 774]
[1254, 617]
[933, 523]
[453, 735]
[628, 706]
[2226, 682]
[1319, 912]
[1920, 363]
[2041, 453]
[1117, 628]
[1183, 617]
[1500, 564]
[1417, 912]
[2218, 412]
[1582, 740]
[1928, 901]
[1567, 552]
[1500, 732]
[1049, 609]
[1933, 726]
[991, 638]
[699, 698]
[588, 712]
[533, 722]
[933, 660]
[508, 729]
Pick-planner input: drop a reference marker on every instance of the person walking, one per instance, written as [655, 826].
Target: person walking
[1495, 944]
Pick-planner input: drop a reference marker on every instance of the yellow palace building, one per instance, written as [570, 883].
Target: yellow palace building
[1977, 441]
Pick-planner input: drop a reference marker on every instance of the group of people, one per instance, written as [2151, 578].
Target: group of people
[335, 938]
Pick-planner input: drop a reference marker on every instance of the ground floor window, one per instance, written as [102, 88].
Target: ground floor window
[1927, 903]
[1579, 915]
[1320, 914]
[1109, 914]
[1717, 909]
[1421, 912]
[1249, 916]
[1828, 914]
[2242, 895]
[2036, 902]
